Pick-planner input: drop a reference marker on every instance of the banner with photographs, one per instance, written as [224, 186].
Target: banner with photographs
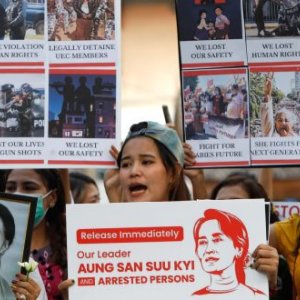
[275, 115]
[212, 37]
[60, 91]
[129, 248]
[215, 112]
[210, 32]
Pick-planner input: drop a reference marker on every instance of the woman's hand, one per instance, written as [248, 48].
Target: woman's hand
[25, 289]
[196, 176]
[266, 259]
[64, 287]
[112, 180]
[268, 86]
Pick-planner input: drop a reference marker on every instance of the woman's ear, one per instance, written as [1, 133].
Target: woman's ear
[175, 175]
[52, 199]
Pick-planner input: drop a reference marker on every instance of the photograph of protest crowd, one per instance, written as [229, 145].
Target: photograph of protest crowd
[78, 20]
[215, 106]
[22, 105]
[22, 19]
[274, 104]
[209, 20]
[82, 106]
[273, 18]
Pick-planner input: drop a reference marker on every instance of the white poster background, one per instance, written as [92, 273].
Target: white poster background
[273, 50]
[159, 254]
[216, 53]
[214, 152]
[275, 150]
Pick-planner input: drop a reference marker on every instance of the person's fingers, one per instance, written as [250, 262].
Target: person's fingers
[189, 155]
[20, 292]
[114, 152]
[266, 259]
[264, 250]
[23, 283]
[66, 284]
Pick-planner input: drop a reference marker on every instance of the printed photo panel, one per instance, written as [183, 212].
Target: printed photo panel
[82, 116]
[272, 31]
[22, 116]
[215, 112]
[209, 33]
[81, 20]
[274, 114]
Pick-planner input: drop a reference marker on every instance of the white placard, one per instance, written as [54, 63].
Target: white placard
[147, 250]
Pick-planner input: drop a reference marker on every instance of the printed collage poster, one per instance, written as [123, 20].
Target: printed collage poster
[59, 82]
[240, 81]
[127, 251]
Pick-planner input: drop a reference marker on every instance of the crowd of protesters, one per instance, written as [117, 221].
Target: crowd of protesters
[151, 166]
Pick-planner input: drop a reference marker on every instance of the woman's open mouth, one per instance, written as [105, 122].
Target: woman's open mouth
[137, 189]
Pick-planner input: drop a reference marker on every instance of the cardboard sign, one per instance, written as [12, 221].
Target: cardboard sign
[285, 209]
[60, 94]
[165, 250]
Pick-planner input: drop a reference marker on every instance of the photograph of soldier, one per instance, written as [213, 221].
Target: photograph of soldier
[16, 20]
[274, 104]
[209, 20]
[215, 107]
[21, 19]
[78, 20]
[21, 107]
[272, 18]
[82, 106]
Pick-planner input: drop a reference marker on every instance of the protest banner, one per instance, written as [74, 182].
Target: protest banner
[60, 93]
[160, 250]
[286, 209]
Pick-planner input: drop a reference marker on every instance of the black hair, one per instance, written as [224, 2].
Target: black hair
[179, 191]
[78, 182]
[8, 224]
[219, 7]
[251, 186]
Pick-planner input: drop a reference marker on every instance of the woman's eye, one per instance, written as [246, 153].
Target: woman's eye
[202, 243]
[10, 188]
[31, 187]
[124, 164]
[147, 162]
[217, 240]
